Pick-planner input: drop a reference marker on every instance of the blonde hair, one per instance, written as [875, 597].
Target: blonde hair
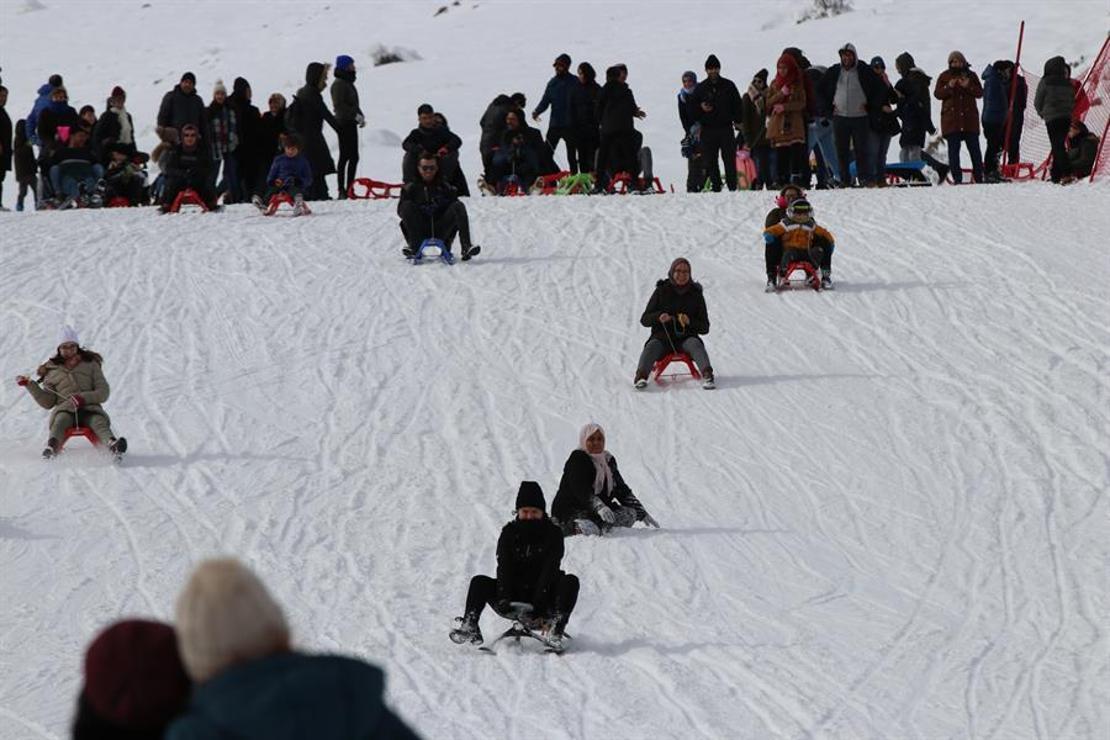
[225, 616]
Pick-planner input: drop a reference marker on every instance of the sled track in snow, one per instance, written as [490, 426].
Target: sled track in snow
[888, 521]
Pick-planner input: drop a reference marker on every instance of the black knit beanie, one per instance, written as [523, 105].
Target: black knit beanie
[530, 495]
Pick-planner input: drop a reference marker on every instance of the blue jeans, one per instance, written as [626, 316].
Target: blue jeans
[972, 142]
[820, 136]
[880, 146]
[68, 183]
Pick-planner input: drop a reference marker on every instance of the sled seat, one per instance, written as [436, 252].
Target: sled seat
[813, 278]
[85, 432]
[188, 197]
[662, 363]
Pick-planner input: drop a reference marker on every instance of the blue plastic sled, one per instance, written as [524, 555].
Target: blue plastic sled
[444, 253]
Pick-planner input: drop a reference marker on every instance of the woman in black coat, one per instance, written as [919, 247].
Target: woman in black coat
[593, 497]
[583, 116]
[677, 317]
[306, 116]
[616, 111]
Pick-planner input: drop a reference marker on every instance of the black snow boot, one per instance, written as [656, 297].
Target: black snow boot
[468, 631]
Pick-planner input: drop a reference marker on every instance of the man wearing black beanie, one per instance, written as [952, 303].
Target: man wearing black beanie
[715, 104]
[529, 552]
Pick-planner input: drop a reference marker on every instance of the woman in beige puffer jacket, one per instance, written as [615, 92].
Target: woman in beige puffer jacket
[72, 385]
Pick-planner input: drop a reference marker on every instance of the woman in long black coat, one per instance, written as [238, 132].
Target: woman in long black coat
[306, 116]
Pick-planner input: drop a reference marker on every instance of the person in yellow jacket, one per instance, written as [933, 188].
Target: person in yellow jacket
[799, 238]
[72, 385]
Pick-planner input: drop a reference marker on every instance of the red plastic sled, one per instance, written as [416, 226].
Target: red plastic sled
[812, 278]
[546, 184]
[363, 188]
[282, 197]
[85, 432]
[662, 363]
[119, 202]
[188, 197]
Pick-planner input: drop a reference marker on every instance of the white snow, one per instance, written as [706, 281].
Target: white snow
[889, 521]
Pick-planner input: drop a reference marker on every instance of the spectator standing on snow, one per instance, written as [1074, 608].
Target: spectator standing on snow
[224, 143]
[716, 105]
[884, 123]
[620, 141]
[250, 683]
[753, 124]
[691, 134]
[26, 171]
[5, 141]
[349, 118]
[996, 104]
[583, 118]
[306, 117]
[41, 102]
[273, 127]
[786, 128]
[1016, 111]
[114, 127]
[557, 95]
[914, 107]
[851, 91]
[958, 88]
[250, 158]
[181, 106]
[1055, 103]
[135, 683]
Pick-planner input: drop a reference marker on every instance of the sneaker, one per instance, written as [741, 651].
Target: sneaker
[299, 208]
[256, 201]
[51, 449]
[409, 252]
[468, 631]
[707, 381]
[772, 284]
[117, 445]
[826, 280]
[472, 251]
[640, 382]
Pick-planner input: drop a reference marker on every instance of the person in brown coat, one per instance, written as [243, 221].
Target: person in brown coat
[958, 88]
[786, 124]
[72, 385]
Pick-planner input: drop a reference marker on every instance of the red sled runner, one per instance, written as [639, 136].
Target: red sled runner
[812, 277]
[187, 197]
[680, 357]
[85, 432]
[282, 197]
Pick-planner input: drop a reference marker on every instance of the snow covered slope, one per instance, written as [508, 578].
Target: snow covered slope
[478, 49]
[889, 521]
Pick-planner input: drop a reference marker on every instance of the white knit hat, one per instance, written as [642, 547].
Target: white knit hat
[219, 87]
[226, 616]
[67, 335]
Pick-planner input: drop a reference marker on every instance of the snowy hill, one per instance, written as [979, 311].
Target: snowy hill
[888, 522]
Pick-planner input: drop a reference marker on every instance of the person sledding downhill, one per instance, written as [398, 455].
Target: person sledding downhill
[72, 385]
[593, 497]
[797, 238]
[290, 173]
[677, 316]
[430, 209]
[529, 589]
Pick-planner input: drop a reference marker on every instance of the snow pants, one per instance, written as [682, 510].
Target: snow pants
[416, 225]
[99, 423]
[483, 590]
[654, 350]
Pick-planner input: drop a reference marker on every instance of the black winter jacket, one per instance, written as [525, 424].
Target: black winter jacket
[5, 142]
[576, 490]
[306, 116]
[192, 166]
[433, 199]
[430, 140]
[178, 109]
[723, 96]
[492, 122]
[528, 557]
[583, 109]
[914, 107]
[616, 107]
[668, 299]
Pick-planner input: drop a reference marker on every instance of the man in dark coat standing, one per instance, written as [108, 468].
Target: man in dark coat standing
[305, 117]
[914, 107]
[715, 104]
[529, 553]
[348, 114]
[557, 95]
[181, 106]
[251, 156]
[616, 113]
[853, 92]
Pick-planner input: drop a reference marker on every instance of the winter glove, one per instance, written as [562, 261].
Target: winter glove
[22, 381]
[649, 520]
[442, 151]
[278, 182]
[605, 513]
[76, 401]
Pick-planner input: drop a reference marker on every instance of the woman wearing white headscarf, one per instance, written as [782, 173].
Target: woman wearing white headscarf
[592, 497]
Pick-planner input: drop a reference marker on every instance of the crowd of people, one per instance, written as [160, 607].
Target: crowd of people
[804, 121]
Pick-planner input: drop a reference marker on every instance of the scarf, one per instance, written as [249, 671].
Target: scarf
[603, 474]
[758, 98]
